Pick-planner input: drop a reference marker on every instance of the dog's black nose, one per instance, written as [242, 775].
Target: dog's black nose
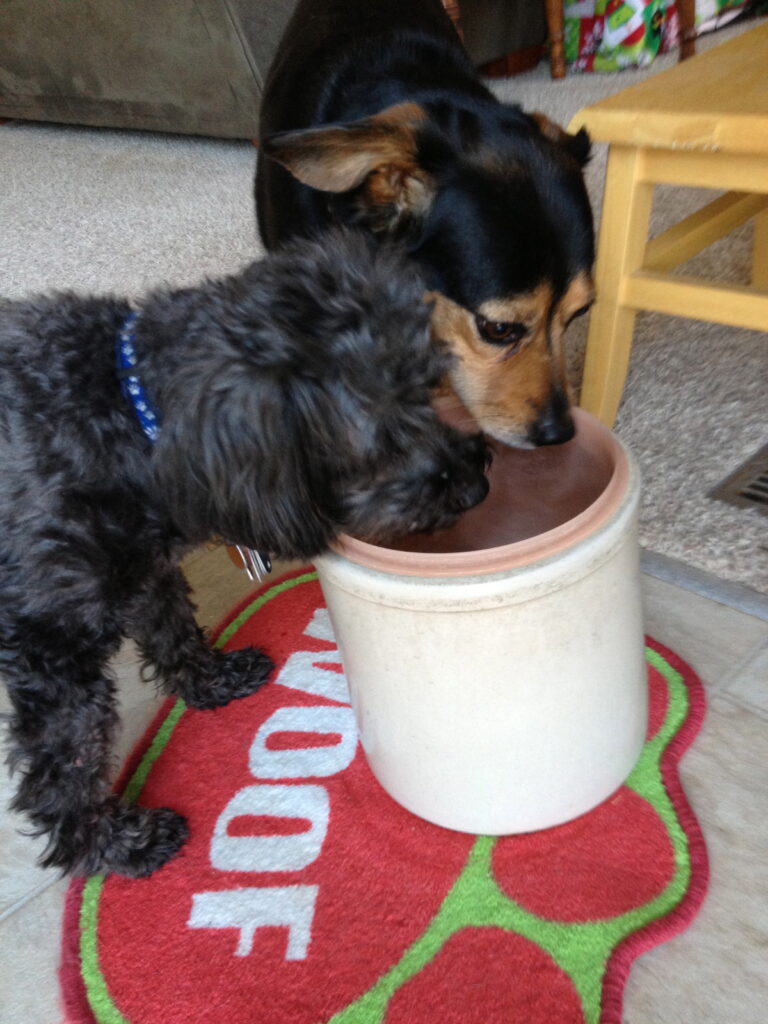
[554, 424]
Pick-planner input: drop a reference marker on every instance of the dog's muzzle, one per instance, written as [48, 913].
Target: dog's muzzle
[554, 424]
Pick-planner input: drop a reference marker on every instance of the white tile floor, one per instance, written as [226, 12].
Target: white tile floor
[716, 972]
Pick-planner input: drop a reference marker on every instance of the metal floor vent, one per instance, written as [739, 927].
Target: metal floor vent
[747, 487]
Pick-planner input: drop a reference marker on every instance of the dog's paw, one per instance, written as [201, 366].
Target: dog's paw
[135, 841]
[234, 674]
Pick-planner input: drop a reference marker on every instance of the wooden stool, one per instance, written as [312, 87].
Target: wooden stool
[701, 124]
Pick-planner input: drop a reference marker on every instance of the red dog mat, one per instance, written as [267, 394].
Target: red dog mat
[306, 895]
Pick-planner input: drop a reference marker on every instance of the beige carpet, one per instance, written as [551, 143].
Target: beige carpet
[111, 211]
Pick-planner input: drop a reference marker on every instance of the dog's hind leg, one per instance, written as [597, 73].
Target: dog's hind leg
[63, 720]
[171, 642]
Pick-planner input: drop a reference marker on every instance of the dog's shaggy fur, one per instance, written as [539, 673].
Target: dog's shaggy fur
[294, 404]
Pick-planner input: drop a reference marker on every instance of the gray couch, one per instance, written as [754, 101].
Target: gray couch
[190, 66]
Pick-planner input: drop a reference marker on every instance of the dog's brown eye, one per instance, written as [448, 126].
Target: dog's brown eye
[499, 332]
[580, 312]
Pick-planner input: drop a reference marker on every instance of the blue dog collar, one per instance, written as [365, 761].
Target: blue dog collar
[256, 564]
[131, 385]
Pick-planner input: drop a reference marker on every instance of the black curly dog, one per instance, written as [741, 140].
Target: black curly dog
[293, 403]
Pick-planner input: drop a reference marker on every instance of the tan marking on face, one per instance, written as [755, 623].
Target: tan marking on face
[506, 386]
[530, 308]
[580, 293]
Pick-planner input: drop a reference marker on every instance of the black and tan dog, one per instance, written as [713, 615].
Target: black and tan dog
[373, 115]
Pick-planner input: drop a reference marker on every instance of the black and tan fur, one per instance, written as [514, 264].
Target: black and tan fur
[374, 116]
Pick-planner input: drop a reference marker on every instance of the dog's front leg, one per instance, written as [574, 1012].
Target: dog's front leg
[61, 728]
[177, 653]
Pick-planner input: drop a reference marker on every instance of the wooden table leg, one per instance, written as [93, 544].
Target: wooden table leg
[554, 12]
[454, 13]
[686, 16]
[623, 234]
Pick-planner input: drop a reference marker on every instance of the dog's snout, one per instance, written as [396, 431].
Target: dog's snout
[470, 482]
[473, 494]
[477, 452]
[554, 424]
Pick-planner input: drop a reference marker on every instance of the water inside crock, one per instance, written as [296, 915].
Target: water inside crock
[531, 491]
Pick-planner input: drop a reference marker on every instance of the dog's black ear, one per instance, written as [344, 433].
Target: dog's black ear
[579, 145]
[375, 154]
[229, 464]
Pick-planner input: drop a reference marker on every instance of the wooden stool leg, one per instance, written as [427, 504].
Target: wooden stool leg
[623, 234]
[686, 16]
[555, 16]
[454, 13]
[760, 251]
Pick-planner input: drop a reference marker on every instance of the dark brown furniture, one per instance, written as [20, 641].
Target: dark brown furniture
[527, 57]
